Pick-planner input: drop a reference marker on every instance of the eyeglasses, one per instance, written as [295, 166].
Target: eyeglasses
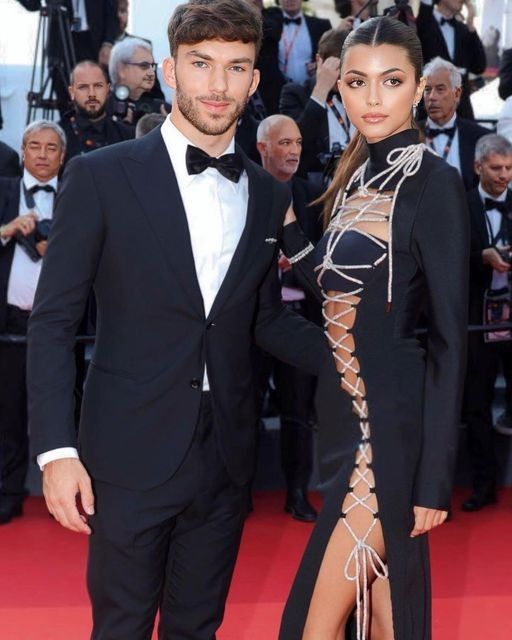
[144, 65]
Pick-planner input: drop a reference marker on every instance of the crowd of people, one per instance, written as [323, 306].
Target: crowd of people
[296, 127]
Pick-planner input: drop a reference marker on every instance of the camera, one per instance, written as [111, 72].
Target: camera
[121, 103]
[40, 233]
[505, 255]
[329, 161]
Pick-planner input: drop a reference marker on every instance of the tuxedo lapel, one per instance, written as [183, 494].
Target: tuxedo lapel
[152, 178]
[466, 153]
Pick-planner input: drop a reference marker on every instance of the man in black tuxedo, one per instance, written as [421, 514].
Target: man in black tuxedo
[23, 203]
[280, 146]
[9, 162]
[177, 233]
[443, 33]
[452, 137]
[317, 108]
[490, 207]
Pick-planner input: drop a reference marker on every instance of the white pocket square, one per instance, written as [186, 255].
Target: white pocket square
[271, 240]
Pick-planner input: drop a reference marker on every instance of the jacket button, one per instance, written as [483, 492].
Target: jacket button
[210, 325]
[195, 383]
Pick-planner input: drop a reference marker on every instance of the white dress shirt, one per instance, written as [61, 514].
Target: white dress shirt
[216, 211]
[295, 50]
[24, 274]
[440, 141]
[80, 12]
[495, 217]
[336, 131]
[448, 33]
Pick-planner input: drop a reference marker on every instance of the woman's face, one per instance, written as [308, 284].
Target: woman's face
[378, 88]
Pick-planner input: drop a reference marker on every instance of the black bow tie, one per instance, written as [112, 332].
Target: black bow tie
[502, 206]
[41, 187]
[432, 133]
[450, 21]
[287, 20]
[229, 165]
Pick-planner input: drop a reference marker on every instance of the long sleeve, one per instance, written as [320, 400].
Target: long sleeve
[68, 270]
[111, 22]
[296, 247]
[505, 75]
[290, 102]
[441, 244]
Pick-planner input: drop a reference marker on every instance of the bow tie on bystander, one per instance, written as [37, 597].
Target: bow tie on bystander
[433, 133]
[229, 165]
[451, 21]
[287, 20]
[41, 187]
[501, 206]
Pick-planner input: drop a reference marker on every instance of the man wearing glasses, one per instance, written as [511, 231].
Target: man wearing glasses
[132, 70]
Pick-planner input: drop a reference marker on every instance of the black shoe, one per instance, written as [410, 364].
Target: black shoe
[8, 512]
[478, 501]
[299, 506]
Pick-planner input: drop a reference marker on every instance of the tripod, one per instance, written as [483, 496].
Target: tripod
[54, 59]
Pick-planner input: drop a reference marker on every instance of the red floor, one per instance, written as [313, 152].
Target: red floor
[42, 594]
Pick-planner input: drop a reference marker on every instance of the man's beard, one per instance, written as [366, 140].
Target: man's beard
[90, 114]
[218, 123]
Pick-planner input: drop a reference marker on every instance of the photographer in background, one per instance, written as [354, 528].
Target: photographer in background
[88, 126]
[490, 301]
[26, 211]
[132, 70]
[316, 107]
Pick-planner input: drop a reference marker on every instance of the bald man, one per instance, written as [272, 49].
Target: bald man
[87, 126]
[279, 143]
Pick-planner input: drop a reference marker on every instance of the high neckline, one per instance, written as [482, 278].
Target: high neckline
[378, 151]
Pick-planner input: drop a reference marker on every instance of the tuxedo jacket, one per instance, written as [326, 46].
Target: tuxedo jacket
[469, 134]
[9, 209]
[9, 162]
[505, 75]
[469, 51]
[312, 121]
[101, 18]
[120, 228]
[480, 274]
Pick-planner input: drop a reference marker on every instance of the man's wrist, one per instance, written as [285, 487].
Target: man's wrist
[56, 454]
[319, 100]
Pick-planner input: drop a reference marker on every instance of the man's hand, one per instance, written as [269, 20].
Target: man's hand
[63, 480]
[492, 258]
[470, 15]
[22, 224]
[327, 73]
[426, 519]
[345, 24]
[283, 263]
[41, 247]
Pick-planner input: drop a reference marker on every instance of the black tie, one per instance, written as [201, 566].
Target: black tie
[41, 187]
[432, 133]
[450, 21]
[229, 165]
[287, 20]
[502, 207]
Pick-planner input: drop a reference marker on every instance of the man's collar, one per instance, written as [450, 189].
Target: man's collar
[438, 16]
[447, 125]
[483, 194]
[287, 15]
[30, 181]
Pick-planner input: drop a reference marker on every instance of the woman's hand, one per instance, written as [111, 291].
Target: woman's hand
[289, 217]
[426, 519]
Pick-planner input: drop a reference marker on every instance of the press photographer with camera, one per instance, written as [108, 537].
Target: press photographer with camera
[88, 126]
[316, 107]
[490, 302]
[132, 70]
[26, 211]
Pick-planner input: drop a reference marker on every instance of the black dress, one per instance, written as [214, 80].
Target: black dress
[386, 407]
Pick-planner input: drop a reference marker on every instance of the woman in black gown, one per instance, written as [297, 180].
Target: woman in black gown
[396, 246]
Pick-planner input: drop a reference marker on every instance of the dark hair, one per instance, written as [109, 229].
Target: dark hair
[87, 63]
[228, 20]
[148, 122]
[372, 32]
[331, 43]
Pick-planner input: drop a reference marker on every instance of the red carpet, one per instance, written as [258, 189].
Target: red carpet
[42, 593]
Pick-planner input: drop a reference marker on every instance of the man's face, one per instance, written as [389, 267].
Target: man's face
[122, 16]
[495, 173]
[43, 154]
[450, 6]
[281, 150]
[89, 91]
[137, 74]
[213, 81]
[441, 99]
[291, 7]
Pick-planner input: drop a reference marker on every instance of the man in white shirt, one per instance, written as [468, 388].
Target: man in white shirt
[177, 234]
[26, 206]
[490, 302]
[451, 137]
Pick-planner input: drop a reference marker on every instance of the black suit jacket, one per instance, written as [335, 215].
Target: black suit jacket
[101, 18]
[469, 51]
[469, 134]
[9, 209]
[120, 227]
[480, 274]
[505, 83]
[9, 162]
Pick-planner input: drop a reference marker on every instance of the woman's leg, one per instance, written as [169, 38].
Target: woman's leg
[381, 622]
